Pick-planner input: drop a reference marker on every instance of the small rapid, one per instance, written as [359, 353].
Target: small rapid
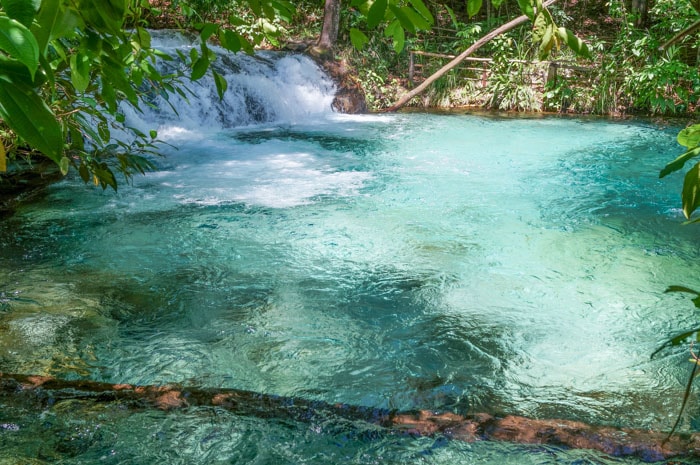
[268, 87]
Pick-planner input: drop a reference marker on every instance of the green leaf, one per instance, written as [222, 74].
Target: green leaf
[418, 21]
[255, 6]
[548, 42]
[539, 28]
[230, 40]
[691, 189]
[453, 17]
[153, 133]
[221, 84]
[100, 16]
[80, 71]
[391, 28]
[48, 18]
[496, 3]
[19, 43]
[63, 165]
[21, 10]
[200, 67]
[423, 10]
[31, 119]
[401, 16]
[526, 8]
[681, 289]
[144, 37]
[376, 13]
[399, 39]
[577, 45]
[473, 7]
[690, 136]
[679, 162]
[358, 38]
[207, 31]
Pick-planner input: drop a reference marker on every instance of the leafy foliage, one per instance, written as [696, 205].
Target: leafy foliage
[67, 69]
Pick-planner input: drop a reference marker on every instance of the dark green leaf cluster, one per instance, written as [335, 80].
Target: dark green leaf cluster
[67, 69]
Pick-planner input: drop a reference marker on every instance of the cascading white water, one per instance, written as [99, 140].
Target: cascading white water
[268, 87]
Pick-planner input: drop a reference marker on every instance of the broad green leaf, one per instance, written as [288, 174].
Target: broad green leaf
[21, 10]
[80, 71]
[268, 10]
[473, 7]
[526, 8]
[285, 10]
[83, 171]
[13, 71]
[221, 84]
[153, 133]
[19, 43]
[207, 31]
[358, 38]
[423, 10]
[48, 17]
[577, 45]
[376, 12]
[690, 136]
[144, 37]
[3, 158]
[255, 6]
[399, 39]
[496, 3]
[113, 72]
[200, 68]
[691, 190]
[31, 119]
[418, 21]
[403, 19]
[109, 96]
[391, 28]
[230, 40]
[679, 162]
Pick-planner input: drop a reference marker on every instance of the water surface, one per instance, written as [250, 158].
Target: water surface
[450, 262]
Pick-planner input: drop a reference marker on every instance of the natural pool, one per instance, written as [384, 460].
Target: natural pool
[455, 262]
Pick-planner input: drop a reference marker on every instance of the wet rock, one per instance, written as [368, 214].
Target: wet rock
[349, 97]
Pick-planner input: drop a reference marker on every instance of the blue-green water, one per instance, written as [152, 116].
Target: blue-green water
[450, 262]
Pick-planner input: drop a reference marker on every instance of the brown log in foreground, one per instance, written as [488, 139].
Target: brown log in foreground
[647, 445]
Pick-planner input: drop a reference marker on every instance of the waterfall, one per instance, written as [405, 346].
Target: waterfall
[268, 87]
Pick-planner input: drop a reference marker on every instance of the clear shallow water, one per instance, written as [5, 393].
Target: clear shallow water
[410, 261]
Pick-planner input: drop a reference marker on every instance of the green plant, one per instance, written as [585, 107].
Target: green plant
[66, 69]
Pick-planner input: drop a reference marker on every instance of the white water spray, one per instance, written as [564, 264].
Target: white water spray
[269, 87]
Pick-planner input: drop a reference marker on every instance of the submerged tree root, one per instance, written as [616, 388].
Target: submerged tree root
[649, 446]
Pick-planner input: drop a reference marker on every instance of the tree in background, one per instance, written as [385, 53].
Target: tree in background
[331, 25]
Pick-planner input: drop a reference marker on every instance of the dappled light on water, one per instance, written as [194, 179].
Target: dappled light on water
[454, 263]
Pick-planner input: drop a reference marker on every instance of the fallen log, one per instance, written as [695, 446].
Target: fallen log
[649, 446]
[459, 58]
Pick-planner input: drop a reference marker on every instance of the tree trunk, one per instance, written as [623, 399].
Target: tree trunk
[457, 60]
[640, 9]
[647, 445]
[331, 24]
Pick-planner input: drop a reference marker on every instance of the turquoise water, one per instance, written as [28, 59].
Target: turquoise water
[450, 262]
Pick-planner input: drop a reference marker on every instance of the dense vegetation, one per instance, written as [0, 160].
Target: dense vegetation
[72, 65]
